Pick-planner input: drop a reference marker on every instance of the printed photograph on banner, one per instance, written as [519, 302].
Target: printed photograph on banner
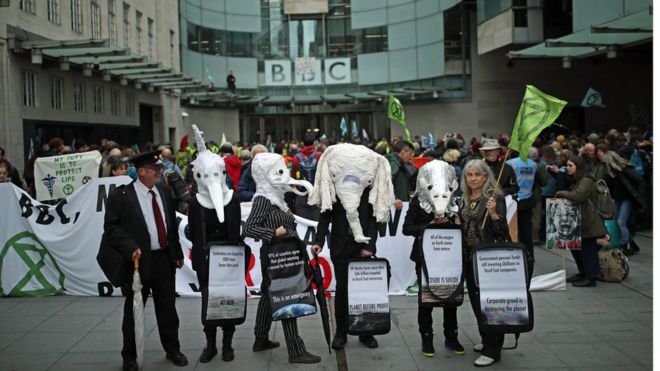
[443, 254]
[563, 224]
[368, 301]
[290, 291]
[227, 297]
[502, 286]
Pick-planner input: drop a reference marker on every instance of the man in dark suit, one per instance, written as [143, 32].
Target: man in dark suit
[343, 248]
[140, 223]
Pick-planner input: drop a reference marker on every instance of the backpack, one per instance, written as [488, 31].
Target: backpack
[307, 166]
[604, 203]
[613, 265]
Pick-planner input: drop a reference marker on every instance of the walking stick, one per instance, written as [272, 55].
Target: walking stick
[506, 154]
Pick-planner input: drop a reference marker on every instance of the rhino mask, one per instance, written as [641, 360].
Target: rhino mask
[273, 179]
[211, 177]
[345, 171]
[436, 183]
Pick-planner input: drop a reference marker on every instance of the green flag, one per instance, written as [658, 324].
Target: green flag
[537, 111]
[395, 112]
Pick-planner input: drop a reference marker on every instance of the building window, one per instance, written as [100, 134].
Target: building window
[96, 20]
[114, 101]
[98, 99]
[76, 16]
[127, 26]
[26, 5]
[79, 96]
[138, 31]
[112, 30]
[172, 45]
[56, 92]
[150, 37]
[29, 88]
[53, 8]
[130, 104]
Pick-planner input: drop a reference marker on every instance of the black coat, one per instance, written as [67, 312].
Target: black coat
[627, 185]
[125, 229]
[229, 231]
[341, 239]
[508, 180]
[414, 224]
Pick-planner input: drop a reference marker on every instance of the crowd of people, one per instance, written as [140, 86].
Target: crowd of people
[559, 166]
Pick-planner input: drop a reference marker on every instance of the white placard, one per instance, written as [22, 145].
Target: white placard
[59, 176]
[367, 287]
[226, 283]
[443, 254]
[502, 286]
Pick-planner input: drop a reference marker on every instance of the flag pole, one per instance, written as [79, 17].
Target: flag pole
[506, 154]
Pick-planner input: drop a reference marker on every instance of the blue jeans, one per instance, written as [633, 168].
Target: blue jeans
[623, 210]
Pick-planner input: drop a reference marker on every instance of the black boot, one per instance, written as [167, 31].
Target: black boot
[263, 343]
[227, 350]
[575, 278]
[586, 282]
[427, 345]
[634, 247]
[210, 351]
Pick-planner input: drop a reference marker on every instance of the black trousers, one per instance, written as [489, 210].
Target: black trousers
[161, 283]
[587, 259]
[211, 331]
[492, 343]
[425, 318]
[525, 236]
[340, 263]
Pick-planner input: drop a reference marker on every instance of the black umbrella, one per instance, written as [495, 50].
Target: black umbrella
[320, 297]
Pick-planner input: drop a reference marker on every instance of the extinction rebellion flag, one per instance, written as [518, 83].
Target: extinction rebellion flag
[395, 112]
[537, 111]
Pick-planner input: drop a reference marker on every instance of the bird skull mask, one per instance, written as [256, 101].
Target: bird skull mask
[273, 179]
[210, 174]
[436, 183]
[345, 171]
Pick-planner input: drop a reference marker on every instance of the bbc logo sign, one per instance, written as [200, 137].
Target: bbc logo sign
[307, 71]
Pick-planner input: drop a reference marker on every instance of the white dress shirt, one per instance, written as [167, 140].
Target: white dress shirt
[144, 198]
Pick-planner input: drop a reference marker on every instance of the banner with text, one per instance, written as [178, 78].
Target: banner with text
[226, 299]
[59, 176]
[442, 271]
[368, 303]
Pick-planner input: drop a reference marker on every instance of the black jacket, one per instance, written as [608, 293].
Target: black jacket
[125, 229]
[341, 237]
[229, 231]
[627, 185]
[494, 229]
[508, 180]
[414, 224]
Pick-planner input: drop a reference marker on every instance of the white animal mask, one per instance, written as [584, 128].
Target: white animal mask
[273, 179]
[436, 182]
[211, 177]
[346, 170]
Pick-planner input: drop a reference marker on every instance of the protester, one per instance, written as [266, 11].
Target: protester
[233, 164]
[12, 174]
[482, 199]
[119, 168]
[402, 179]
[247, 186]
[583, 192]
[157, 248]
[507, 181]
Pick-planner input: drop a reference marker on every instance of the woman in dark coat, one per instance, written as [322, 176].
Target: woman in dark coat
[482, 196]
[583, 192]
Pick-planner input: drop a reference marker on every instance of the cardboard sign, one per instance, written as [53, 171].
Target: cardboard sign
[442, 271]
[563, 224]
[227, 292]
[60, 176]
[368, 302]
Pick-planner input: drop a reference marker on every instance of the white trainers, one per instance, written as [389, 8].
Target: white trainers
[484, 361]
[478, 348]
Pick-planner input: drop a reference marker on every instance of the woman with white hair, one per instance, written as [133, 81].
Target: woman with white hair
[482, 197]
[625, 187]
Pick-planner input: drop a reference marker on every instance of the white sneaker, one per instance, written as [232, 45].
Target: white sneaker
[484, 361]
[478, 348]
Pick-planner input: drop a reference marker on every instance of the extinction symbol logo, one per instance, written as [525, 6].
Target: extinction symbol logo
[86, 179]
[531, 109]
[594, 100]
[397, 110]
[25, 247]
[49, 181]
[67, 189]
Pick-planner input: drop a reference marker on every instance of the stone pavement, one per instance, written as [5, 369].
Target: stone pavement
[608, 327]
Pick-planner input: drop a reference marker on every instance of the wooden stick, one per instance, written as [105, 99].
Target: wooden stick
[506, 154]
[563, 260]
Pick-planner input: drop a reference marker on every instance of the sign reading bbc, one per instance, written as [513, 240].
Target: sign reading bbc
[284, 73]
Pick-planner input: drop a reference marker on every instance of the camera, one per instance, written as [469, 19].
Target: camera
[178, 185]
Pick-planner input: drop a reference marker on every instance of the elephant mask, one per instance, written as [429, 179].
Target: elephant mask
[345, 171]
[436, 183]
[273, 179]
[211, 177]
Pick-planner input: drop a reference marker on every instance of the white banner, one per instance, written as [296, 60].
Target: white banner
[367, 287]
[443, 254]
[51, 249]
[226, 283]
[59, 176]
[502, 286]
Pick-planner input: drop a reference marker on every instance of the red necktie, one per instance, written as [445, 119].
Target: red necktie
[162, 234]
